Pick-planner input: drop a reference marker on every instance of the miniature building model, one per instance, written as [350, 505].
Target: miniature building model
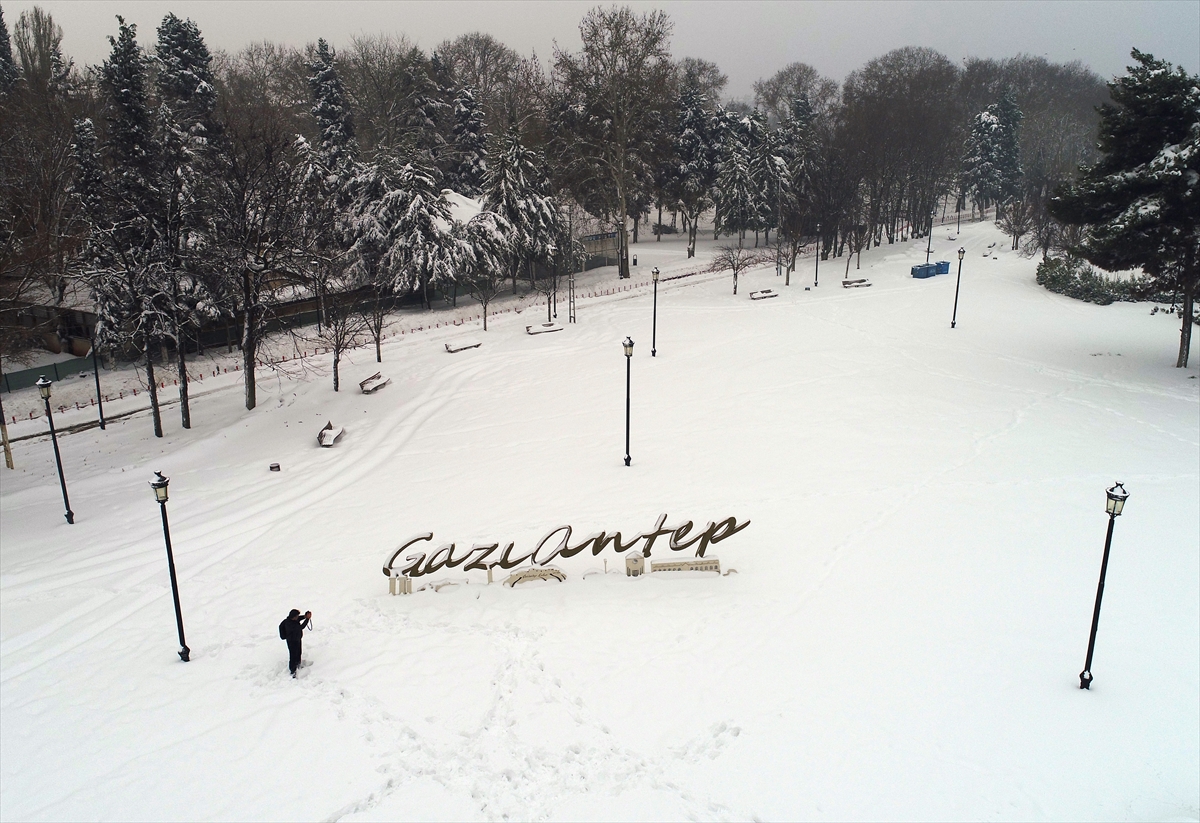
[700, 564]
[635, 565]
[400, 584]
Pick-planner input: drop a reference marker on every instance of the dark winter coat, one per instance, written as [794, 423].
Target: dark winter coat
[293, 630]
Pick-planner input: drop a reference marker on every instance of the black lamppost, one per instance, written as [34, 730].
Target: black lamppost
[44, 390]
[1116, 502]
[654, 327]
[628, 344]
[929, 245]
[159, 484]
[96, 374]
[817, 265]
[954, 317]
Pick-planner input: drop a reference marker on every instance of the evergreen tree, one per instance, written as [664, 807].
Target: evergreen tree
[734, 195]
[1141, 201]
[766, 166]
[694, 151]
[798, 154]
[336, 145]
[128, 246]
[982, 174]
[327, 169]
[467, 168]
[8, 69]
[517, 191]
[425, 111]
[1008, 146]
[187, 172]
[992, 164]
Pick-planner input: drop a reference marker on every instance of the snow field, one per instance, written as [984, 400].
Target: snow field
[902, 638]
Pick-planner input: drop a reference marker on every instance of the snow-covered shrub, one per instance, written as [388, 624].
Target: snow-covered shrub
[1076, 278]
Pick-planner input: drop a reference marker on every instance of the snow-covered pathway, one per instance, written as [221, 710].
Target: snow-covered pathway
[902, 638]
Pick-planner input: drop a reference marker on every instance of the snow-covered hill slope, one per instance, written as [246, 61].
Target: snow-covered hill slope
[902, 638]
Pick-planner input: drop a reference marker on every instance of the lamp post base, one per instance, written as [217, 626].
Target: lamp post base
[628, 459]
[1085, 680]
[185, 654]
[70, 515]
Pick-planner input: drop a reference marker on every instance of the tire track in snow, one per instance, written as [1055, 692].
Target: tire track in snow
[428, 403]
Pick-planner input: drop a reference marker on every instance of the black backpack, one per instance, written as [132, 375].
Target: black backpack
[282, 632]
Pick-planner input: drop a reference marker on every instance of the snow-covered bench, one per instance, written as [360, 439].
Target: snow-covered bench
[856, 284]
[543, 328]
[765, 294]
[462, 345]
[374, 383]
[536, 573]
[329, 435]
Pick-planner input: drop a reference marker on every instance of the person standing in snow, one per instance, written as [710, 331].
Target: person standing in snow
[292, 630]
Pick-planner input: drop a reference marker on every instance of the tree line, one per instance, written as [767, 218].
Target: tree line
[185, 188]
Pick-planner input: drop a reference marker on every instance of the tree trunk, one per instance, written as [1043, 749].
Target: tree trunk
[8, 461]
[623, 249]
[735, 282]
[154, 411]
[658, 236]
[1185, 331]
[485, 314]
[337, 359]
[185, 409]
[249, 340]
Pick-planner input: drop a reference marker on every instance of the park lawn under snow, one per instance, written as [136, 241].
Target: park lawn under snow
[902, 638]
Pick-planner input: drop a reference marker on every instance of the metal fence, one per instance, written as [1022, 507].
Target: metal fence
[27, 377]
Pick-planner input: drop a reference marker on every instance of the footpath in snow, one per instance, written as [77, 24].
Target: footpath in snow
[902, 638]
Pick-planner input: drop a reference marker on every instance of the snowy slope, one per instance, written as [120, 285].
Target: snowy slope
[902, 639]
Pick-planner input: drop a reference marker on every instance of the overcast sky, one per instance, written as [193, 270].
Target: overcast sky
[747, 39]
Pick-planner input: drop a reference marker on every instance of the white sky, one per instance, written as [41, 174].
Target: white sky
[748, 40]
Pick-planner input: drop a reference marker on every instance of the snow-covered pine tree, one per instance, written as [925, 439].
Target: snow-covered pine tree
[8, 68]
[404, 215]
[982, 174]
[482, 252]
[766, 167]
[128, 246]
[516, 190]
[695, 152]
[734, 194]
[466, 169]
[336, 145]
[187, 171]
[1140, 202]
[425, 110]
[798, 152]
[1008, 146]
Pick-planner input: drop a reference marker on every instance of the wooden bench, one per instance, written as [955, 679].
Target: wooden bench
[462, 345]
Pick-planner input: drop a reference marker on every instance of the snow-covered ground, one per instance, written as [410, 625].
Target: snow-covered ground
[902, 638]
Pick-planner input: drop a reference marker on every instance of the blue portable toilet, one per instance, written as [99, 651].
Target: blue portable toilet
[923, 270]
[943, 267]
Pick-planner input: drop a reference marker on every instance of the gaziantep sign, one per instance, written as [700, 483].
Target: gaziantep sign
[556, 543]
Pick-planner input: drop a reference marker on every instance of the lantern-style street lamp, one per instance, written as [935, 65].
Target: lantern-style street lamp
[954, 317]
[1116, 502]
[43, 386]
[159, 485]
[628, 344]
[654, 327]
